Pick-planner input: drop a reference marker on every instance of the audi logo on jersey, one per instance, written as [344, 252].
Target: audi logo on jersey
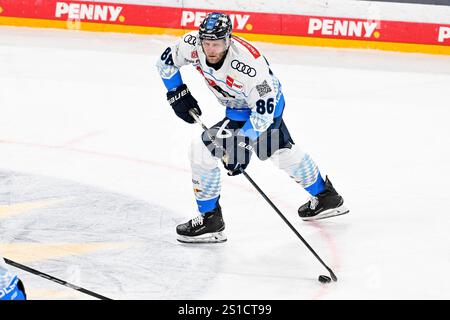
[192, 40]
[242, 67]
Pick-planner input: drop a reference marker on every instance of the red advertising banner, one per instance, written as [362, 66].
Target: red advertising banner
[288, 25]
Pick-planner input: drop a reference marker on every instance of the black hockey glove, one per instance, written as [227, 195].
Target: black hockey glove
[182, 101]
[238, 154]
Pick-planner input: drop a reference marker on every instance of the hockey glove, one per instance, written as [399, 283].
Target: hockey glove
[182, 101]
[239, 152]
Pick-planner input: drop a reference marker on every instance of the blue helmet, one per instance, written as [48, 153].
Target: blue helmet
[215, 26]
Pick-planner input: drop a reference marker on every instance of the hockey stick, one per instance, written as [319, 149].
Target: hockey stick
[54, 279]
[333, 276]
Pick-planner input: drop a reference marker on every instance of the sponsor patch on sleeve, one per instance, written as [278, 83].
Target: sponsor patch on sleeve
[263, 88]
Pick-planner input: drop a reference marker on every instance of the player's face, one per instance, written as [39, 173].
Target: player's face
[214, 50]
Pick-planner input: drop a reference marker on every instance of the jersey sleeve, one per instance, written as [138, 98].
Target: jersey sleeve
[265, 101]
[174, 57]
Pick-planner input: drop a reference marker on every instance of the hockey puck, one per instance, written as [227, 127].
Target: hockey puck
[324, 279]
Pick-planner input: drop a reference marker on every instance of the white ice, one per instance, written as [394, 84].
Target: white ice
[85, 123]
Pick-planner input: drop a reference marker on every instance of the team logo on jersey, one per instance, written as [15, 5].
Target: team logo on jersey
[194, 54]
[242, 67]
[263, 88]
[233, 84]
[192, 40]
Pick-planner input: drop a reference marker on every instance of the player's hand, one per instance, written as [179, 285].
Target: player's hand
[239, 152]
[182, 101]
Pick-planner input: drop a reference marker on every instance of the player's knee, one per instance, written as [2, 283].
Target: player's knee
[286, 157]
[200, 155]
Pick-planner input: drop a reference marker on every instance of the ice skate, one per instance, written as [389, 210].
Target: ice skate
[326, 204]
[203, 229]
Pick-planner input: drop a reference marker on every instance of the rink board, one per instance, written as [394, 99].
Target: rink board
[267, 27]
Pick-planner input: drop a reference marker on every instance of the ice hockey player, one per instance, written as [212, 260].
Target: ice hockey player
[11, 287]
[240, 77]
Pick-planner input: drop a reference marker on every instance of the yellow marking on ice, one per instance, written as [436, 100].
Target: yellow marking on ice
[18, 208]
[26, 252]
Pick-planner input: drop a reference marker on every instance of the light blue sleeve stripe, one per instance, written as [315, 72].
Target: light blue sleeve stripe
[173, 82]
[279, 107]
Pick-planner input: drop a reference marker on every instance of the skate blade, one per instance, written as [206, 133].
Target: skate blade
[328, 214]
[215, 237]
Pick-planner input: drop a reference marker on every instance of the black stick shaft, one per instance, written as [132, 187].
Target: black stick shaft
[54, 279]
[288, 223]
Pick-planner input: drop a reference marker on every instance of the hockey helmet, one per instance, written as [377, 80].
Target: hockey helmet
[215, 26]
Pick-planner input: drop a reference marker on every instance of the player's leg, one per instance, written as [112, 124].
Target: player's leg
[204, 155]
[209, 225]
[325, 201]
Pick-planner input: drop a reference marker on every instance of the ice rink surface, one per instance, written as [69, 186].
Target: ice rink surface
[94, 174]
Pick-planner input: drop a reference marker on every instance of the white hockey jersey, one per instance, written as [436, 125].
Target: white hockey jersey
[244, 84]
